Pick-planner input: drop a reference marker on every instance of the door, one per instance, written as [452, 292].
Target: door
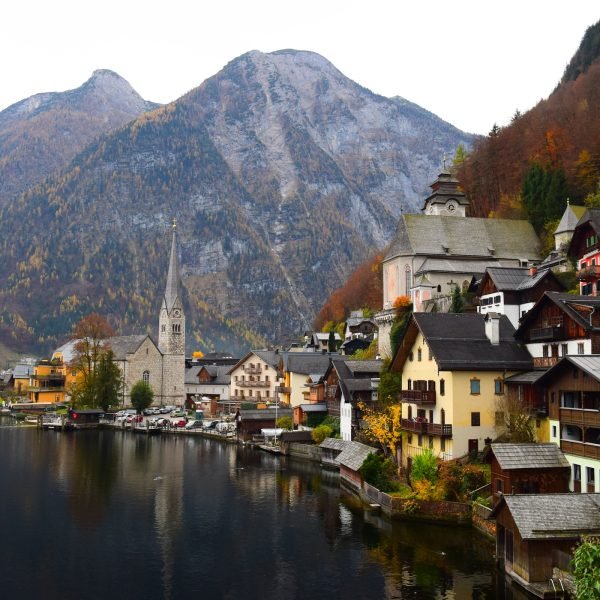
[473, 447]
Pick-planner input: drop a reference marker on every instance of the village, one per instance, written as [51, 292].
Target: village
[499, 364]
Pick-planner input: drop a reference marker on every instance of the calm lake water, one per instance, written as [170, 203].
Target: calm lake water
[114, 515]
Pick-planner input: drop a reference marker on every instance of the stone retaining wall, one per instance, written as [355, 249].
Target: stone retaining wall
[304, 452]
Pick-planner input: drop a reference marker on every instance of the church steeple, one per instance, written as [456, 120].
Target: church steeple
[172, 289]
[171, 323]
[447, 198]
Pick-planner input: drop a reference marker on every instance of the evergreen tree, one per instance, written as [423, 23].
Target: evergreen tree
[544, 194]
[108, 381]
[331, 344]
[457, 304]
[141, 396]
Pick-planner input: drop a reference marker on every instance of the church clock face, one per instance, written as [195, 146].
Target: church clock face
[176, 313]
[451, 206]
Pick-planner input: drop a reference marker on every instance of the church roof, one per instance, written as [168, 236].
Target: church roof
[123, 345]
[172, 289]
[570, 218]
[450, 237]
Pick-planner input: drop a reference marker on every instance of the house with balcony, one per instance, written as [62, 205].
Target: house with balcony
[584, 249]
[47, 382]
[513, 291]
[558, 325]
[299, 370]
[207, 388]
[453, 368]
[255, 379]
[572, 389]
[347, 384]
[19, 381]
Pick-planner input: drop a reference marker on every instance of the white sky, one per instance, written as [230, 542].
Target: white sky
[471, 62]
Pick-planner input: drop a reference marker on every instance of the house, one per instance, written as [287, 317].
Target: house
[527, 468]
[253, 421]
[559, 325]
[254, 379]
[351, 459]
[572, 388]
[319, 341]
[299, 370]
[435, 252]
[348, 383]
[330, 450]
[47, 382]
[20, 377]
[358, 326]
[513, 291]
[207, 388]
[534, 531]
[310, 415]
[557, 260]
[584, 248]
[351, 346]
[453, 368]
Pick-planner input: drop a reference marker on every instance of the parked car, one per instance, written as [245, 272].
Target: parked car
[224, 427]
[164, 410]
[178, 422]
[178, 413]
[158, 422]
[196, 424]
[210, 425]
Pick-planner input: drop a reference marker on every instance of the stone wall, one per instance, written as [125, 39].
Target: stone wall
[305, 452]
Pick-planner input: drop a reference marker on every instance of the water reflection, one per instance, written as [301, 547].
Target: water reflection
[182, 517]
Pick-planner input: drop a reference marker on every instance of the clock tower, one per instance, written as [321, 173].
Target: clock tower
[171, 333]
[446, 199]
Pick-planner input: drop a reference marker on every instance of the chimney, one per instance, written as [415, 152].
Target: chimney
[492, 327]
[532, 271]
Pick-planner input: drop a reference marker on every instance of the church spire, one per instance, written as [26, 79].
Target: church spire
[172, 289]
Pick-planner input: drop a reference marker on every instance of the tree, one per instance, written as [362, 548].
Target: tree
[331, 344]
[457, 303]
[383, 426]
[108, 381]
[424, 467]
[516, 424]
[141, 396]
[91, 334]
[379, 472]
[321, 433]
[586, 569]
[284, 423]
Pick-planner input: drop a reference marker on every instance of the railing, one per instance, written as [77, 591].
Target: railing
[253, 370]
[282, 389]
[545, 361]
[589, 272]
[50, 376]
[552, 333]
[580, 448]
[253, 383]
[580, 416]
[415, 426]
[439, 429]
[418, 396]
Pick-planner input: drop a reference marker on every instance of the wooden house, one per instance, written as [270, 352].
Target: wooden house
[572, 389]
[331, 448]
[351, 459]
[253, 420]
[527, 469]
[585, 249]
[533, 531]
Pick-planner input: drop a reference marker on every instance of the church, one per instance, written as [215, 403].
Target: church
[139, 358]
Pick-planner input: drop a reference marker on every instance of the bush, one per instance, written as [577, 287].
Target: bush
[586, 569]
[424, 467]
[380, 473]
[320, 433]
[284, 423]
[427, 490]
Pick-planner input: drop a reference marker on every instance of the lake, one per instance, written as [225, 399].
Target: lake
[109, 514]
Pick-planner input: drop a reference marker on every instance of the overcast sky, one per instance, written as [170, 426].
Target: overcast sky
[470, 62]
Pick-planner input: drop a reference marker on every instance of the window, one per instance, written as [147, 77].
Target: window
[146, 377]
[409, 438]
[553, 431]
[475, 419]
[580, 348]
[499, 486]
[410, 356]
[407, 280]
[545, 351]
[564, 349]
[442, 387]
[590, 475]
[419, 354]
[498, 386]
[576, 472]
[163, 328]
[475, 386]
[409, 412]
[410, 384]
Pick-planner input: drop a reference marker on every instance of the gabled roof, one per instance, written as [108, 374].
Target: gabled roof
[354, 454]
[489, 239]
[334, 444]
[265, 414]
[588, 363]
[578, 308]
[306, 363]
[515, 278]
[458, 342]
[22, 371]
[314, 407]
[553, 516]
[126, 344]
[529, 456]
[355, 375]
[591, 218]
[271, 357]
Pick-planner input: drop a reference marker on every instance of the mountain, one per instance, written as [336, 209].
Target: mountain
[560, 135]
[283, 175]
[42, 134]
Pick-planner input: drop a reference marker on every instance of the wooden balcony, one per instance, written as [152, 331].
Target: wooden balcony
[580, 449]
[425, 398]
[282, 389]
[580, 416]
[545, 361]
[253, 370]
[555, 333]
[591, 272]
[414, 426]
[252, 384]
[439, 429]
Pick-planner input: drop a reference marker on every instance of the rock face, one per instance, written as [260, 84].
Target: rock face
[283, 175]
[41, 134]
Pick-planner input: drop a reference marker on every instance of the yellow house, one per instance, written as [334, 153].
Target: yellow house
[47, 382]
[453, 368]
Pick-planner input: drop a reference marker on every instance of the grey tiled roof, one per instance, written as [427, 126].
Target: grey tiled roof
[458, 341]
[590, 364]
[314, 407]
[553, 516]
[269, 356]
[526, 377]
[334, 444]
[515, 278]
[260, 414]
[191, 374]
[491, 239]
[529, 456]
[125, 344]
[570, 218]
[353, 456]
[22, 371]
[364, 366]
[306, 363]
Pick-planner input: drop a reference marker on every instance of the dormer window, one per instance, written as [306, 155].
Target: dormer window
[491, 250]
[445, 249]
